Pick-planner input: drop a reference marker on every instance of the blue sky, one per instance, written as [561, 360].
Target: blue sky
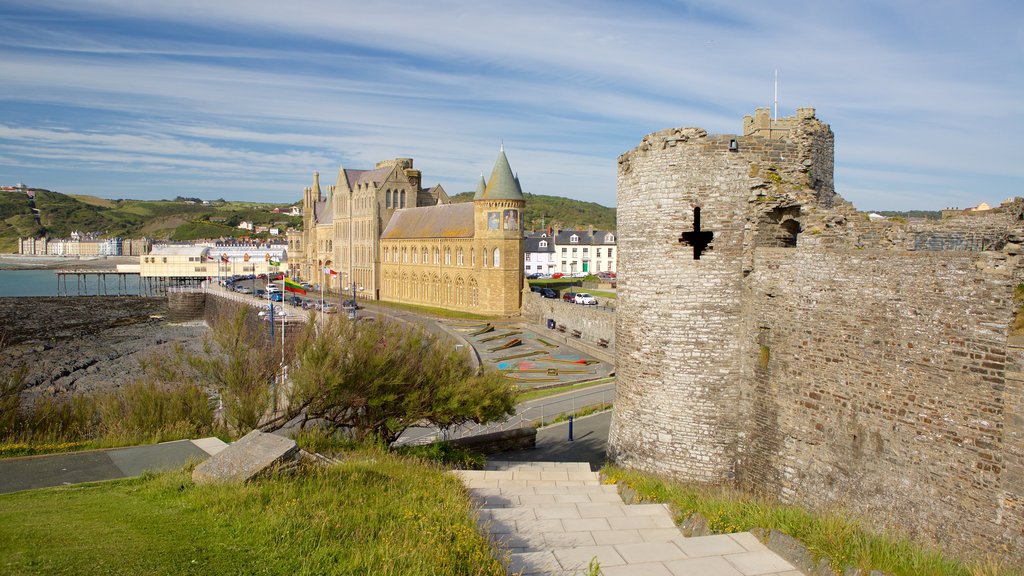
[244, 100]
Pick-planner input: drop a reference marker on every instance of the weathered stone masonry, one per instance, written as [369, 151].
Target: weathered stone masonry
[810, 354]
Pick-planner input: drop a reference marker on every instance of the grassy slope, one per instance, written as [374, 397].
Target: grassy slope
[558, 212]
[374, 514]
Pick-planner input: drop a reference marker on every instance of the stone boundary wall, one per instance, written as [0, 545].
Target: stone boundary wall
[593, 322]
[876, 381]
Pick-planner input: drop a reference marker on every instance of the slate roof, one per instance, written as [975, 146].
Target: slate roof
[532, 244]
[322, 212]
[375, 176]
[440, 221]
[586, 237]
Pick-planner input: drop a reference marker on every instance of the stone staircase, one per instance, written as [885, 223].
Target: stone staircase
[554, 518]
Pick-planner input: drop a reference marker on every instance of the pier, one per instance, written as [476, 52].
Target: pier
[117, 283]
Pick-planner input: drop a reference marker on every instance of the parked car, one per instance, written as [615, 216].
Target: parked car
[295, 301]
[584, 298]
[569, 297]
[260, 293]
[347, 304]
[537, 289]
[330, 308]
[557, 275]
[271, 288]
[243, 290]
[533, 276]
[548, 293]
[277, 297]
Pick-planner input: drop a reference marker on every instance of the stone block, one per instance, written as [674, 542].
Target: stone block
[247, 458]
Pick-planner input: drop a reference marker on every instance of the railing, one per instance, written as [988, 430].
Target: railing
[530, 415]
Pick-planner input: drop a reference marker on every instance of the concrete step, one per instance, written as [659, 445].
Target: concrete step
[554, 518]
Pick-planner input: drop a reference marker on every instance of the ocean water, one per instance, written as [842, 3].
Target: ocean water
[44, 283]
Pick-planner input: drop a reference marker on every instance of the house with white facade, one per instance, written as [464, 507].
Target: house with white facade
[589, 251]
[539, 254]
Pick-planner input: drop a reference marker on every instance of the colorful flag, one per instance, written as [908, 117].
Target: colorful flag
[275, 262]
[329, 271]
[293, 286]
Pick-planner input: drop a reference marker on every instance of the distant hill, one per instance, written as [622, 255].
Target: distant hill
[56, 215]
[559, 213]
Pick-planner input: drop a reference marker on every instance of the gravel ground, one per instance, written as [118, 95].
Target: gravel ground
[75, 345]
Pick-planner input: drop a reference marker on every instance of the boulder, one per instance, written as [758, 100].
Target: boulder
[247, 458]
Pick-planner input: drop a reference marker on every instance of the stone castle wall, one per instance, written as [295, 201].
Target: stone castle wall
[594, 323]
[810, 354]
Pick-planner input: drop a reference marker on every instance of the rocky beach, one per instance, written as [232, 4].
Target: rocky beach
[87, 344]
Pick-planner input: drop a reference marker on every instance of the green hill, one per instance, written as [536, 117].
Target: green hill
[559, 213]
[57, 215]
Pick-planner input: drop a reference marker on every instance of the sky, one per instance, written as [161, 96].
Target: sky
[245, 100]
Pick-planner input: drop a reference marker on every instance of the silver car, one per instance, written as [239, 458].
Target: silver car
[584, 298]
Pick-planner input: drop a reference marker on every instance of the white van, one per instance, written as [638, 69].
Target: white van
[272, 288]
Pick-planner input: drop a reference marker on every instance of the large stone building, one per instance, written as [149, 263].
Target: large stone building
[770, 335]
[400, 242]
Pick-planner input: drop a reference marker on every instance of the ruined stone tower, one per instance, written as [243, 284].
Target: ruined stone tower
[770, 335]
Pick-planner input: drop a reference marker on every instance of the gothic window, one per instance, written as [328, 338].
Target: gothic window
[474, 293]
[402, 203]
[497, 258]
[460, 292]
[484, 252]
[458, 257]
[385, 254]
[448, 296]
[447, 256]
[437, 256]
[387, 199]
[425, 259]
[472, 257]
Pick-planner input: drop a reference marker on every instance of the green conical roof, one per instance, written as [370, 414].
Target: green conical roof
[502, 185]
[481, 187]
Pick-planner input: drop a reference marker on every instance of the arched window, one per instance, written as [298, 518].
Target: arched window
[437, 256]
[460, 292]
[448, 296]
[405, 255]
[402, 203]
[458, 257]
[472, 257]
[387, 199]
[484, 252]
[424, 252]
[447, 256]
[497, 258]
[385, 254]
[474, 293]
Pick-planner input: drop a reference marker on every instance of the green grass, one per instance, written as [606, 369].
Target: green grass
[534, 394]
[837, 536]
[375, 513]
[440, 312]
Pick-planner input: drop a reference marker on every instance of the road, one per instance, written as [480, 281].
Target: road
[528, 413]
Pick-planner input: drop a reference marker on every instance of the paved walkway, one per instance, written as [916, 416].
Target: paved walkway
[48, 470]
[556, 517]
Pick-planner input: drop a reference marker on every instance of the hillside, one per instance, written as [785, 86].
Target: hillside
[559, 213]
[60, 214]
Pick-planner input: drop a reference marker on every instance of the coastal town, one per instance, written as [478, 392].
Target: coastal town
[511, 290]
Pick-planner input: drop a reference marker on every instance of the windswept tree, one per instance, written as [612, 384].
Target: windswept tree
[237, 362]
[378, 378]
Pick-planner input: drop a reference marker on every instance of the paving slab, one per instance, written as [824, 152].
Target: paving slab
[246, 458]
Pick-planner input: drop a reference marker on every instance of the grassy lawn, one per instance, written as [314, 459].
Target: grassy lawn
[836, 536]
[534, 394]
[440, 312]
[376, 513]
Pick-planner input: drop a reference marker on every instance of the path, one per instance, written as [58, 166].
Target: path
[48, 470]
[556, 517]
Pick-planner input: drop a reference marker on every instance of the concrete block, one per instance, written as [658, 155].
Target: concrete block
[252, 455]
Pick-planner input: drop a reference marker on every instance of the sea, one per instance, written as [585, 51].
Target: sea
[15, 283]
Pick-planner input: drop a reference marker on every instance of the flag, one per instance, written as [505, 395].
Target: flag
[267, 257]
[224, 258]
[330, 272]
[275, 262]
[293, 286]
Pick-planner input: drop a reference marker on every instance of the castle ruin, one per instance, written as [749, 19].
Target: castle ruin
[771, 336]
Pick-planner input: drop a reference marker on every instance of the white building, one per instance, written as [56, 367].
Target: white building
[539, 254]
[590, 251]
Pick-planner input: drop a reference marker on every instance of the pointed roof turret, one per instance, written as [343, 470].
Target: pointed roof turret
[502, 185]
[481, 187]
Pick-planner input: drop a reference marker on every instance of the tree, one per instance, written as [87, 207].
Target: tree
[378, 378]
[238, 365]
